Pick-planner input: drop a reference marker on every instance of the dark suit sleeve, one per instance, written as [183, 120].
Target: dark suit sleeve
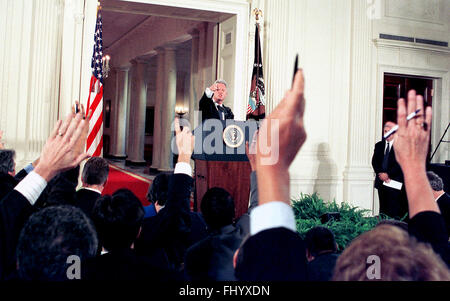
[253, 191]
[14, 212]
[376, 163]
[171, 221]
[244, 221]
[20, 175]
[230, 114]
[429, 227]
[444, 206]
[205, 106]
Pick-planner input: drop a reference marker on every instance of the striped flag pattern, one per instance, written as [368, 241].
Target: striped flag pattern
[94, 145]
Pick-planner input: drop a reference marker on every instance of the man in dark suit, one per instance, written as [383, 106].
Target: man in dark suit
[59, 154]
[119, 222]
[94, 177]
[212, 258]
[118, 219]
[442, 198]
[392, 201]
[211, 104]
[173, 240]
[7, 172]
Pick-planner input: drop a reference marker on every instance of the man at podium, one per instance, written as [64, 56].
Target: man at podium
[211, 104]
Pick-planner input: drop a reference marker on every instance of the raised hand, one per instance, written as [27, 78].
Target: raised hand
[251, 151]
[280, 138]
[213, 88]
[185, 142]
[411, 148]
[413, 136]
[60, 152]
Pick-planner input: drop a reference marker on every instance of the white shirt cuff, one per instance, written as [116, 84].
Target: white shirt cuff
[184, 168]
[272, 215]
[209, 93]
[31, 187]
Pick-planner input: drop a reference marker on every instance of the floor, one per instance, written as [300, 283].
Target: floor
[143, 171]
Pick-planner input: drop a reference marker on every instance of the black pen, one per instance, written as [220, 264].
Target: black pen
[295, 68]
[395, 128]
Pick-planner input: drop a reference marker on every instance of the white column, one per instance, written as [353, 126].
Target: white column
[157, 129]
[358, 173]
[194, 93]
[168, 108]
[30, 57]
[137, 114]
[120, 115]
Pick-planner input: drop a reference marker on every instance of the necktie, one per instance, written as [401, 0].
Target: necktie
[384, 165]
[221, 112]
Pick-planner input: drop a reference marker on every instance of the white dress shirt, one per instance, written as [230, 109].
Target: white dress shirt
[272, 215]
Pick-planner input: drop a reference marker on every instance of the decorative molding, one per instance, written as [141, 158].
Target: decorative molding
[409, 45]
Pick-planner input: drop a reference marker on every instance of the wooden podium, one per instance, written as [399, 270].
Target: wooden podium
[220, 160]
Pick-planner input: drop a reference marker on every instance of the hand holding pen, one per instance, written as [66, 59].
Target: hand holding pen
[413, 135]
[395, 128]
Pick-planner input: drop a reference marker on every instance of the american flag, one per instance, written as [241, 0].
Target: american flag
[94, 145]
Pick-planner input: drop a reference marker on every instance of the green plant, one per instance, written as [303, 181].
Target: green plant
[353, 221]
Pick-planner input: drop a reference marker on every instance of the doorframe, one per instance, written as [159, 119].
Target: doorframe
[439, 96]
[238, 8]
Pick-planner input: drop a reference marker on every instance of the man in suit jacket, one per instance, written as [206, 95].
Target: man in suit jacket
[94, 177]
[212, 258]
[118, 219]
[211, 104]
[59, 154]
[7, 172]
[384, 163]
[169, 224]
[442, 198]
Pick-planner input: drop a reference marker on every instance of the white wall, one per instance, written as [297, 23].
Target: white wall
[47, 46]
[343, 62]
[30, 64]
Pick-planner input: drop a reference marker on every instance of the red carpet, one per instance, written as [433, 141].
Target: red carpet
[120, 178]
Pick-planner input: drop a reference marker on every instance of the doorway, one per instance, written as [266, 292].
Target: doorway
[396, 86]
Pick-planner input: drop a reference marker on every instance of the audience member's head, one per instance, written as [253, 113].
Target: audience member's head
[394, 222]
[159, 190]
[217, 208]
[319, 240]
[436, 183]
[49, 237]
[7, 164]
[256, 261]
[118, 219]
[95, 172]
[400, 258]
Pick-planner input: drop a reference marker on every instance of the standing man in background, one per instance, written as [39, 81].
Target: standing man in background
[386, 169]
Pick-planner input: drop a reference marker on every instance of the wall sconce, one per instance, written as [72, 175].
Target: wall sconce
[105, 65]
[181, 111]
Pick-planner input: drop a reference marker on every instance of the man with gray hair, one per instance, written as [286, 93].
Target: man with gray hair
[441, 197]
[211, 104]
[7, 171]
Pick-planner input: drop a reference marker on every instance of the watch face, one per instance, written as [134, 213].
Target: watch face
[233, 136]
